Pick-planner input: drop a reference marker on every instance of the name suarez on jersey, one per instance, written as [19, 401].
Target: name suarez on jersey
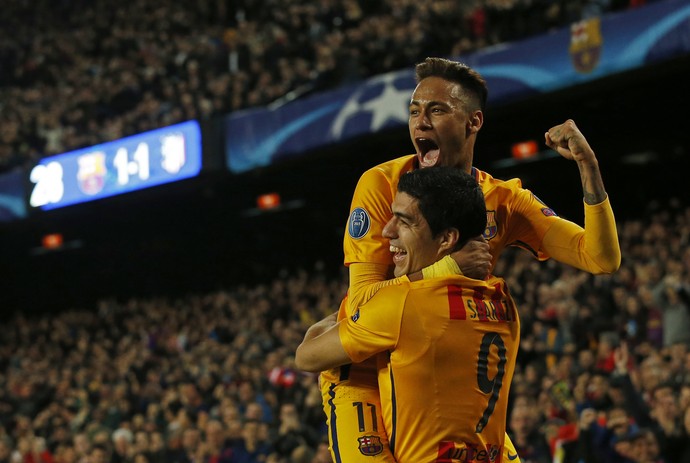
[491, 310]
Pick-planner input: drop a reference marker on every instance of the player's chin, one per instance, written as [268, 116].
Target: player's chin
[399, 271]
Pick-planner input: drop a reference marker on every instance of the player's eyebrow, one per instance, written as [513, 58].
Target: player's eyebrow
[402, 215]
[429, 103]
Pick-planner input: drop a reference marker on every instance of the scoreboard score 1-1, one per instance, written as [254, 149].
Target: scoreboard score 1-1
[140, 161]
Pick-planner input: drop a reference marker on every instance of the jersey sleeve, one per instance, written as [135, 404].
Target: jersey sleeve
[595, 248]
[536, 227]
[369, 212]
[528, 220]
[366, 279]
[375, 327]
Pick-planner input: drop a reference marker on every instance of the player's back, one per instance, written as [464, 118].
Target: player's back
[452, 370]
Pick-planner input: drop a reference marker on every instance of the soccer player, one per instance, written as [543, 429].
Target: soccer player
[451, 342]
[446, 114]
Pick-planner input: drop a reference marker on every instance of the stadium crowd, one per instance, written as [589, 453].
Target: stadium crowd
[603, 371]
[74, 73]
[604, 365]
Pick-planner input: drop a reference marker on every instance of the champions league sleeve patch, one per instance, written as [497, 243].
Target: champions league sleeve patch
[546, 210]
[359, 223]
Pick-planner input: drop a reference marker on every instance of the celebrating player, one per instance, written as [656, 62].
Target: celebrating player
[451, 341]
[446, 114]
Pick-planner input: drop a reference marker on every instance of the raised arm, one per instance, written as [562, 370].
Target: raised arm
[595, 248]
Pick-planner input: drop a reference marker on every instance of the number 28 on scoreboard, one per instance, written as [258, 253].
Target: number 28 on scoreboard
[141, 161]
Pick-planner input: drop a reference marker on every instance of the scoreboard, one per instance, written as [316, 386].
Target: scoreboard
[128, 164]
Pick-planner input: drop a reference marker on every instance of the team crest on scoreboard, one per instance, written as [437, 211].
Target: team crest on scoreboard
[370, 445]
[491, 225]
[359, 223]
[585, 44]
[91, 173]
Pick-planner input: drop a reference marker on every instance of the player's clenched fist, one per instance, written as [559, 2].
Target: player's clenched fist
[568, 141]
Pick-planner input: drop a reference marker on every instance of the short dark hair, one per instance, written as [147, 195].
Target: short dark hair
[447, 198]
[454, 71]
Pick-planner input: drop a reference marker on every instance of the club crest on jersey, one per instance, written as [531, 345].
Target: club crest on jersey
[491, 226]
[370, 445]
[355, 317]
[359, 223]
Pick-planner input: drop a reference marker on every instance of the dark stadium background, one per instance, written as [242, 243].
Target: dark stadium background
[204, 233]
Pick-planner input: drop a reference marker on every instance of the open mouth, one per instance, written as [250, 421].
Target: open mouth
[429, 152]
[398, 254]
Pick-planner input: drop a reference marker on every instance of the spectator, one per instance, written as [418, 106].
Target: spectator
[5, 449]
[292, 433]
[684, 455]
[668, 421]
[676, 313]
[216, 448]
[253, 446]
[529, 443]
[186, 452]
[98, 454]
[122, 446]
[644, 448]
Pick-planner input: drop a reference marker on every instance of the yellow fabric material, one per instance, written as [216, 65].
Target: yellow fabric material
[515, 217]
[365, 280]
[355, 422]
[442, 268]
[594, 248]
[453, 345]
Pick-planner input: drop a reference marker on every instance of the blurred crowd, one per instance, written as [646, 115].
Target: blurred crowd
[74, 73]
[206, 378]
[603, 372]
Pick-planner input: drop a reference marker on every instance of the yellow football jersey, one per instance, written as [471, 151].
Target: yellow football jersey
[452, 345]
[514, 215]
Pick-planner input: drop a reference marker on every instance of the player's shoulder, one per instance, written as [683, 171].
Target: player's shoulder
[390, 293]
[488, 182]
[393, 168]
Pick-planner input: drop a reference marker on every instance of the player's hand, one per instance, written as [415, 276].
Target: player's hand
[474, 258]
[567, 140]
[321, 326]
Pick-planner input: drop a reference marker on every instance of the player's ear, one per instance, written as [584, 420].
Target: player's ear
[475, 121]
[448, 240]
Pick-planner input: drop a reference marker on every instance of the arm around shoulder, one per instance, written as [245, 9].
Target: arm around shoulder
[321, 352]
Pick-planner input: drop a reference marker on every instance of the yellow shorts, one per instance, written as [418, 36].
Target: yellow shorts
[354, 418]
[355, 424]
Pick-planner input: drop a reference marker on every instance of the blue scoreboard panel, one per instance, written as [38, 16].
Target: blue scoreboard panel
[141, 161]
